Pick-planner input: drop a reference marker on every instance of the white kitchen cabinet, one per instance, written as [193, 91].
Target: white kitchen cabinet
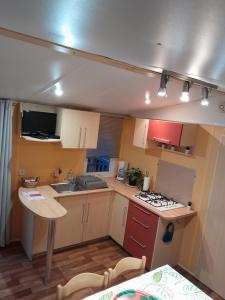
[140, 133]
[97, 216]
[69, 229]
[87, 218]
[90, 128]
[118, 218]
[77, 129]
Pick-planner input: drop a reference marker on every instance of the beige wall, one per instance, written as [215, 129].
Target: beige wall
[202, 162]
[38, 159]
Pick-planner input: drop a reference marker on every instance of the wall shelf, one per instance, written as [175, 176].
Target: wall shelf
[176, 151]
[29, 138]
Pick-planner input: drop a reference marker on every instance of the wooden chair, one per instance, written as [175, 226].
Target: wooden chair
[82, 281]
[127, 264]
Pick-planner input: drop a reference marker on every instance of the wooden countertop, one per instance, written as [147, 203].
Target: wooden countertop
[49, 208]
[128, 192]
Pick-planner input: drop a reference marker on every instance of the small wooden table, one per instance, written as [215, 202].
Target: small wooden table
[163, 283]
[49, 209]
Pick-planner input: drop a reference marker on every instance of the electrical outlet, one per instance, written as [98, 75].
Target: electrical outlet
[21, 172]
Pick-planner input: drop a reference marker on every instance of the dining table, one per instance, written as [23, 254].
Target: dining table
[163, 283]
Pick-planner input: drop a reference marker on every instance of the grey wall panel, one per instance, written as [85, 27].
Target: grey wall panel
[175, 181]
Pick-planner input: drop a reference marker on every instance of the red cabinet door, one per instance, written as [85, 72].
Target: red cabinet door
[140, 232]
[165, 132]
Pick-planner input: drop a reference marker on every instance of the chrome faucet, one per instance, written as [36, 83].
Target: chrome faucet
[70, 176]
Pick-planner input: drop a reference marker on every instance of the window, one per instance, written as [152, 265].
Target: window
[108, 146]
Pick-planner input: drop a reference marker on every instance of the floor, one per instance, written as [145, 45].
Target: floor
[21, 279]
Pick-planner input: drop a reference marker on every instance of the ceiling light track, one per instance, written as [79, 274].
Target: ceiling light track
[190, 79]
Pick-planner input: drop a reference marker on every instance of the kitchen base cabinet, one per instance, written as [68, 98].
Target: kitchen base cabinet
[69, 229]
[97, 215]
[167, 253]
[118, 218]
[87, 218]
[140, 232]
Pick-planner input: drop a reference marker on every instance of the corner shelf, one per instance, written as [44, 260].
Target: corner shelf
[176, 152]
[29, 138]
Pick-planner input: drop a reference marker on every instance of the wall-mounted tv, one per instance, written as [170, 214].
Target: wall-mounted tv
[39, 124]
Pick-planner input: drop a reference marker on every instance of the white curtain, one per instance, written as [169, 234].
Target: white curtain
[5, 168]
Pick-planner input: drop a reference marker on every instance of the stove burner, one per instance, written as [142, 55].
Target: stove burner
[158, 201]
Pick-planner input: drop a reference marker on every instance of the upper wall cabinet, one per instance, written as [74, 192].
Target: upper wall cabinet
[78, 129]
[172, 133]
[140, 133]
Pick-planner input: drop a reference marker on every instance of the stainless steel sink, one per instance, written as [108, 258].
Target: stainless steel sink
[65, 187]
[80, 183]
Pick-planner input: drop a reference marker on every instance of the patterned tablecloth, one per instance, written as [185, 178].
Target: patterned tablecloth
[163, 283]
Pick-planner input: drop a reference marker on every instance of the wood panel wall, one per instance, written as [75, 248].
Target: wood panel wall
[202, 162]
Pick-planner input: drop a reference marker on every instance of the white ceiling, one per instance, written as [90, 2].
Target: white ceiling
[190, 32]
[29, 72]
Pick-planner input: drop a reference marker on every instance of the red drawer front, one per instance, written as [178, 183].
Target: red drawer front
[165, 132]
[142, 214]
[132, 245]
[140, 232]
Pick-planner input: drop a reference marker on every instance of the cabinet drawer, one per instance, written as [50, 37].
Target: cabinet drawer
[137, 248]
[140, 232]
[144, 216]
[145, 232]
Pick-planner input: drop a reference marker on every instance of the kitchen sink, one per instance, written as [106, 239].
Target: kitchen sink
[66, 187]
[80, 183]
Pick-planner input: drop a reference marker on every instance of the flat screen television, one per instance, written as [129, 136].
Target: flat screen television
[39, 124]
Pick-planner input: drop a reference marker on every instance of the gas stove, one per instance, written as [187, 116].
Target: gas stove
[158, 201]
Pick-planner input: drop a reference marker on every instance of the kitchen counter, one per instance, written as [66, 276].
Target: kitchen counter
[163, 283]
[129, 192]
[49, 208]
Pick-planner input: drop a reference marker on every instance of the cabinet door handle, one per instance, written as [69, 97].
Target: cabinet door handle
[83, 213]
[157, 139]
[140, 223]
[124, 216]
[144, 211]
[80, 137]
[137, 242]
[88, 209]
[85, 135]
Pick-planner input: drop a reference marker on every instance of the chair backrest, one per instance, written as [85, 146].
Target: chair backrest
[127, 264]
[82, 281]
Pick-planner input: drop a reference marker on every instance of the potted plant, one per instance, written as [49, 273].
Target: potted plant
[134, 176]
